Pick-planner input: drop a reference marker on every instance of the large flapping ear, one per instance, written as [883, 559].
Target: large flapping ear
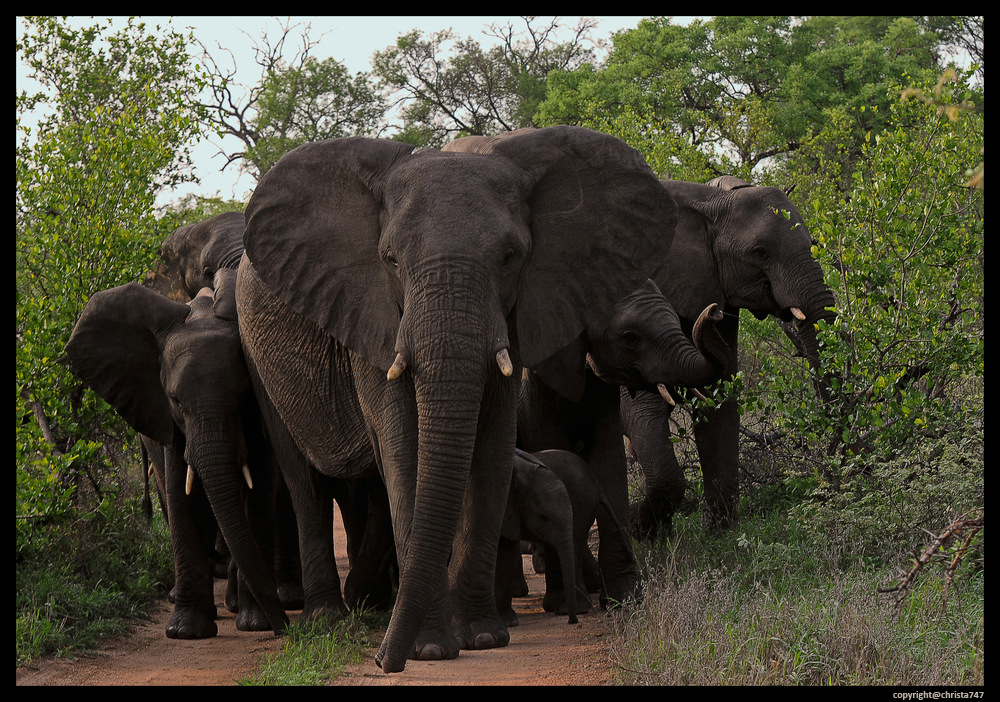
[115, 349]
[601, 224]
[312, 233]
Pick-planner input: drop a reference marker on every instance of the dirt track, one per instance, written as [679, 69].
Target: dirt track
[544, 650]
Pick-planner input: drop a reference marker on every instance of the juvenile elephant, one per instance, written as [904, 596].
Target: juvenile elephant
[176, 374]
[539, 509]
[736, 246]
[388, 299]
[640, 347]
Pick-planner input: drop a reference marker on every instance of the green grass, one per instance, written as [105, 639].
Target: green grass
[783, 608]
[87, 579]
[317, 654]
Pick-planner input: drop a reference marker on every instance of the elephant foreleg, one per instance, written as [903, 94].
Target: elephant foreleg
[717, 437]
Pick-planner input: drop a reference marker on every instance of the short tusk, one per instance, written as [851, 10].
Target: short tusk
[149, 473]
[246, 476]
[797, 313]
[189, 483]
[665, 394]
[503, 360]
[398, 366]
[699, 395]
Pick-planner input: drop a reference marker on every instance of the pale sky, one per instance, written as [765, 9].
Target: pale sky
[351, 40]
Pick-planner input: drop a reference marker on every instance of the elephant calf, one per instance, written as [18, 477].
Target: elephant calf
[553, 501]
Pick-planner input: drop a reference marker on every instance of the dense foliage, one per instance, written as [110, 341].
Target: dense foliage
[885, 149]
[113, 129]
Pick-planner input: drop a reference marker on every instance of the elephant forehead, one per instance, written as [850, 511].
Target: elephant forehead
[441, 182]
[475, 196]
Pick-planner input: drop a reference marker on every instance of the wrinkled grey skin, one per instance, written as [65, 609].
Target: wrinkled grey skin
[737, 246]
[191, 255]
[190, 258]
[175, 372]
[641, 347]
[539, 509]
[461, 267]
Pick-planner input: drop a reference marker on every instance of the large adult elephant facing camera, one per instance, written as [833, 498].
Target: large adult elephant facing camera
[388, 299]
[738, 246]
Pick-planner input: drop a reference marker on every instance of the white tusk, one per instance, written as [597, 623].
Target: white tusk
[189, 483]
[699, 395]
[503, 360]
[797, 313]
[665, 394]
[398, 366]
[246, 476]
[149, 473]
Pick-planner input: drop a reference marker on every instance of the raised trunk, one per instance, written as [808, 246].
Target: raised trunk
[217, 466]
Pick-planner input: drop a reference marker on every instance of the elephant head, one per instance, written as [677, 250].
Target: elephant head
[759, 256]
[191, 255]
[446, 271]
[175, 372]
[641, 345]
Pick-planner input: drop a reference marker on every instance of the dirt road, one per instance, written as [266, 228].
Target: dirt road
[544, 650]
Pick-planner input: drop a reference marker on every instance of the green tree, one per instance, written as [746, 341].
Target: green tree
[114, 129]
[745, 91]
[903, 248]
[295, 99]
[310, 102]
[451, 87]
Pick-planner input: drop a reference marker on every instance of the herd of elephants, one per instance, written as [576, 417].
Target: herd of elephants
[448, 345]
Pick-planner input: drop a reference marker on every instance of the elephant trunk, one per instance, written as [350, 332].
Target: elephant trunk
[218, 464]
[697, 364]
[452, 356]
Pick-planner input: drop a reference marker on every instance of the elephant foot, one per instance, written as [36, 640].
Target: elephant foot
[555, 601]
[290, 595]
[435, 645]
[192, 623]
[508, 615]
[478, 634]
[330, 611]
[251, 617]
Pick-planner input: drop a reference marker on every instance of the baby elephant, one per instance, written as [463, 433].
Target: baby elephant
[540, 509]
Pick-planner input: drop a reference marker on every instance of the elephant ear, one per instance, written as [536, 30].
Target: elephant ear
[115, 349]
[728, 182]
[224, 245]
[312, 233]
[565, 371]
[601, 224]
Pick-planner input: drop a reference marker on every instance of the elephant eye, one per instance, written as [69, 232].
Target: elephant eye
[630, 338]
[509, 256]
[208, 272]
[760, 252]
[390, 258]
